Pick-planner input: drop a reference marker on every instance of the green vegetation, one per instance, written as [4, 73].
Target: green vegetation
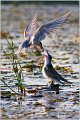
[16, 67]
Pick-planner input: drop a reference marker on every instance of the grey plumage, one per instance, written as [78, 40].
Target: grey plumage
[28, 33]
[50, 73]
[53, 74]
[49, 27]
[34, 35]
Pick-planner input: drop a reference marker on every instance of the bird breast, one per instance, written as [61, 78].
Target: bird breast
[43, 71]
[32, 40]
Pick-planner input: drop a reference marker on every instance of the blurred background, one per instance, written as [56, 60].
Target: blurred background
[17, 14]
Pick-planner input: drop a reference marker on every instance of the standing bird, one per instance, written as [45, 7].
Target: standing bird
[34, 35]
[49, 72]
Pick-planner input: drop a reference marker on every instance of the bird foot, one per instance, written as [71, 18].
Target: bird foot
[54, 87]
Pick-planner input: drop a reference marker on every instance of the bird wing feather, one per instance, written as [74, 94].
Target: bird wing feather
[31, 28]
[51, 26]
[25, 44]
[52, 73]
[28, 32]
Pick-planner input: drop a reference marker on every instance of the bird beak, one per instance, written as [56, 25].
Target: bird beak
[43, 53]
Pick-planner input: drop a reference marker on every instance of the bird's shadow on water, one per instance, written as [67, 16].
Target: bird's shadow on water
[52, 88]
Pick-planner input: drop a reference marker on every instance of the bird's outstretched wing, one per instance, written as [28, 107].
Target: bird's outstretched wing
[52, 73]
[31, 28]
[51, 26]
[28, 32]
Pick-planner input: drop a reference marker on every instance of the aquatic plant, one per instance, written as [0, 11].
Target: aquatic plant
[16, 66]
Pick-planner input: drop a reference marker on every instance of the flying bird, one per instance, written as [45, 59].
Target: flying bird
[50, 73]
[28, 33]
[34, 35]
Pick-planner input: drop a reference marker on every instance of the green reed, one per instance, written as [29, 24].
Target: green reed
[18, 75]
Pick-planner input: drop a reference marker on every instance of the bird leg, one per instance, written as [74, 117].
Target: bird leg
[54, 87]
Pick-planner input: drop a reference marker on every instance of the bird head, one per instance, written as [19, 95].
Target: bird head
[47, 55]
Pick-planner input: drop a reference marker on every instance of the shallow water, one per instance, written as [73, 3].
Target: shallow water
[64, 47]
